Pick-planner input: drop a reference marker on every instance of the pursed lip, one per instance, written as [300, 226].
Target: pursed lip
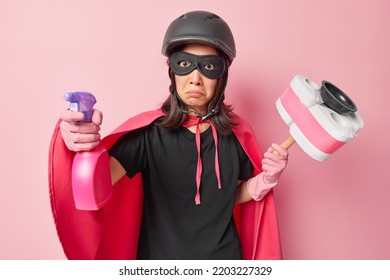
[194, 93]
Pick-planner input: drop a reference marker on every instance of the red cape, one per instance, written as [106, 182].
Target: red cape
[112, 232]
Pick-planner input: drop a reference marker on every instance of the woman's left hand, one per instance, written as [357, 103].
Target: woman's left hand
[274, 164]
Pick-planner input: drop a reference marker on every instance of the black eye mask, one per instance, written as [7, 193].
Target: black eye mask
[211, 66]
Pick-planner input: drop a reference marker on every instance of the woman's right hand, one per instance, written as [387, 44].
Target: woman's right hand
[79, 136]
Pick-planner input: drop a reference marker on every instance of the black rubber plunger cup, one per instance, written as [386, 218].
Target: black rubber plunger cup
[335, 99]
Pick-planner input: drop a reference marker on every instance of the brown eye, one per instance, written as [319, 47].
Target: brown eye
[184, 63]
[209, 66]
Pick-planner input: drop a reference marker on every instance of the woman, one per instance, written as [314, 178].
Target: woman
[194, 163]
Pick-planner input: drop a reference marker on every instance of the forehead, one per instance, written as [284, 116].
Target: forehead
[200, 49]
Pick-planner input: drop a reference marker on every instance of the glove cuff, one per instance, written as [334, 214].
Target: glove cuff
[258, 187]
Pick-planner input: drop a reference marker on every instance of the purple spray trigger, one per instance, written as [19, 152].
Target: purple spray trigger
[81, 101]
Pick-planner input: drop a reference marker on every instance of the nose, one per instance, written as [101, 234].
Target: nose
[196, 77]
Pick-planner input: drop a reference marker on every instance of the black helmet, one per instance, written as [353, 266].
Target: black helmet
[200, 27]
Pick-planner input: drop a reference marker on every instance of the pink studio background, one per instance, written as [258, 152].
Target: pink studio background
[337, 209]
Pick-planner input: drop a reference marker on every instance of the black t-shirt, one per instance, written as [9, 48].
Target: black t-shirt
[173, 226]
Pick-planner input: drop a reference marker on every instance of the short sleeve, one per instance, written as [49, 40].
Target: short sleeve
[130, 151]
[246, 167]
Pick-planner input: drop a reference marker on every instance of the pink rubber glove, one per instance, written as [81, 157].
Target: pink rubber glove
[80, 136]
[272, 165]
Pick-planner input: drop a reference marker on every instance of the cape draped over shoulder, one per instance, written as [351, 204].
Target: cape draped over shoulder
[112, 231]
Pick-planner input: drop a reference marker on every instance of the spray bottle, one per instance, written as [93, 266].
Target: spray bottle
[91, 177]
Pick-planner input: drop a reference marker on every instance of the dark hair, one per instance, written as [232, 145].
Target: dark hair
[175, 108]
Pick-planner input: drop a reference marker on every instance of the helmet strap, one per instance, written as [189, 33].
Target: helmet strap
[205, 117]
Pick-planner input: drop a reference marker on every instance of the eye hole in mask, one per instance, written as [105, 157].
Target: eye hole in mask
[211, 66]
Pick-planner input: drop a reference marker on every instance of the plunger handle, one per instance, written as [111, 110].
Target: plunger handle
[286, 144]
